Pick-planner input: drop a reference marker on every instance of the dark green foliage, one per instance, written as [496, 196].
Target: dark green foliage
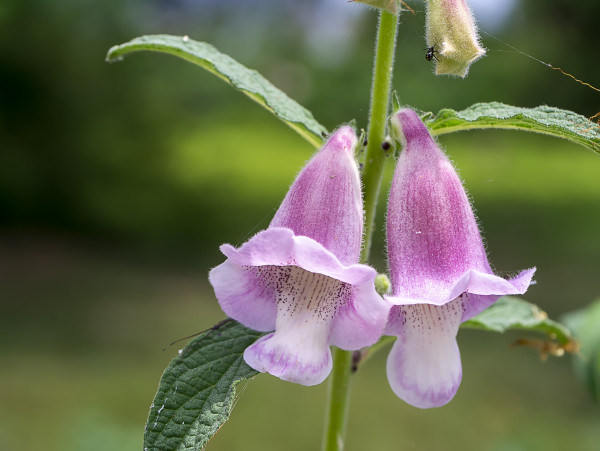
[510, 313]
[240, 77]
[542, 119]
[197, 390]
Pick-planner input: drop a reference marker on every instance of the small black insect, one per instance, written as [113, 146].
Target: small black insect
[430, 55]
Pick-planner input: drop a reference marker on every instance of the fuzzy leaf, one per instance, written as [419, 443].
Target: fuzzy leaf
[542, 119]
[240, 77]
[513, 313]
[197, 390]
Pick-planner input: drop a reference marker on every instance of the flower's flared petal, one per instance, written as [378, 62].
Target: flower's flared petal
[476, 301]
[325, 201]
[475, 283]
[269, 247]
[307, 306]
[294, 285]
[243, 296]
[288, 357]
[360, 320]
[306, 303]
[424, 367]
[280, 247]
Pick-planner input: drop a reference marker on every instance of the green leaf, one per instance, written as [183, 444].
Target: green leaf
[513, 313]
[542, 119]
[585, 326]
[223, 66]
[197, 390]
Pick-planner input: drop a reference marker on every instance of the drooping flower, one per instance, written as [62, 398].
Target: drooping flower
[451, 36]
[301, 278]
[439, 270]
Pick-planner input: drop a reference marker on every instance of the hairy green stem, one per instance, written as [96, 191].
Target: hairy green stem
[339, 388]
[380, 100]
[337, 407]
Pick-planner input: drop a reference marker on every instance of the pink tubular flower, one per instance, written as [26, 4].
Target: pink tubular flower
[439, 270]
[301, 276]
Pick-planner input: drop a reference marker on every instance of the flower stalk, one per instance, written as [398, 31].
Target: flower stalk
[337, 407]
[378, 115]
[339, 388]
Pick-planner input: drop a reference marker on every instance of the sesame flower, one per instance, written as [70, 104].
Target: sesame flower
[300, 278]
[439, 270]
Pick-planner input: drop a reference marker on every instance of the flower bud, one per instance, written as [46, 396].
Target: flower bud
[452, 37]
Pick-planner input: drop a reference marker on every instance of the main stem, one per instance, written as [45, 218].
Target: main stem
[380, 100]
[339, 386]
[337, 407]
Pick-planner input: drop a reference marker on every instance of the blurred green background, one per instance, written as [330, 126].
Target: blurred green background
[119, 182]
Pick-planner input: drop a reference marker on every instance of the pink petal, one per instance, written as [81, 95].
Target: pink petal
[294, 285]
[424, 367]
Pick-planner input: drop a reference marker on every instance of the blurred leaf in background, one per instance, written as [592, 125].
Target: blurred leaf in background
[584, 324]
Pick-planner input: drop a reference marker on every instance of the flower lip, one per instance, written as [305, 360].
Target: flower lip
[269, 354]
[424, 367]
